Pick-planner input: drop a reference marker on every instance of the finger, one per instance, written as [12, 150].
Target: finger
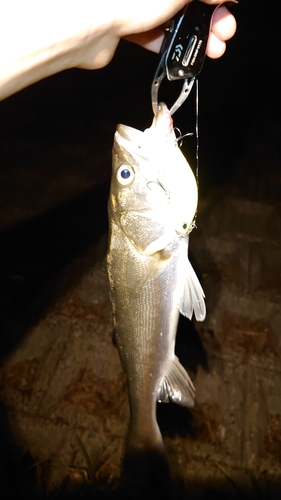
[224, 24]
[223, 28]
[216, 47]
[150, 40]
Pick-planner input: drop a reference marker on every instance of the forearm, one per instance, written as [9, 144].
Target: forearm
[39, 39]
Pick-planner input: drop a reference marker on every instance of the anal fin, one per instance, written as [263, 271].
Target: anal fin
[177, 386]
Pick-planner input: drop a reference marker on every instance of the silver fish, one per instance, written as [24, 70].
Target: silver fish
[152, 203]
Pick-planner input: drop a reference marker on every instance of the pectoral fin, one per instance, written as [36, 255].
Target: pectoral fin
[177, 386]
[193, 295]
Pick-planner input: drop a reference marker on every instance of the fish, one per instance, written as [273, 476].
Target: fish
[152, 204]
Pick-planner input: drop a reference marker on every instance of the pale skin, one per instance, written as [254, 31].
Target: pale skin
[39, 38]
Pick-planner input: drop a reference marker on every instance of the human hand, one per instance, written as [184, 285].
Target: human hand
[139, 23]
[43, 38]
[223, 27]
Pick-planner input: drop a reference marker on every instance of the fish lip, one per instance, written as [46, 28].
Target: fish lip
[129, 134]
[131, 140]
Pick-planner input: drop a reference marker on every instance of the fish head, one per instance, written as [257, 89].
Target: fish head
[152, 185]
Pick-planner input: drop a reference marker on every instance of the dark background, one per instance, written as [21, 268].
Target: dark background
[55, 152]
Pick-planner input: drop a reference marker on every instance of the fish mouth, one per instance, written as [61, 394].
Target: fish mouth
[160, 134]
[130, 139]
[129, 135]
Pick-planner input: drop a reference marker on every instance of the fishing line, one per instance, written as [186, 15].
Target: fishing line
[197, 144]
[181, 136]
[197, 131]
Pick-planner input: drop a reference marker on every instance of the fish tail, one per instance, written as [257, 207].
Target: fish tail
[146, 472]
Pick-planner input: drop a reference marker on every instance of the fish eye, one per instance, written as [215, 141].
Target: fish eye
[125, 175]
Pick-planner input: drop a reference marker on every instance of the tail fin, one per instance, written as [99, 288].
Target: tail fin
[146, 473]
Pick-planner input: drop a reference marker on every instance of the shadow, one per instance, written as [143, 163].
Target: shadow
[35, 252]
[145, 475]
[189, 346]
[33, 255]
[17, 471]
[175, 420]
